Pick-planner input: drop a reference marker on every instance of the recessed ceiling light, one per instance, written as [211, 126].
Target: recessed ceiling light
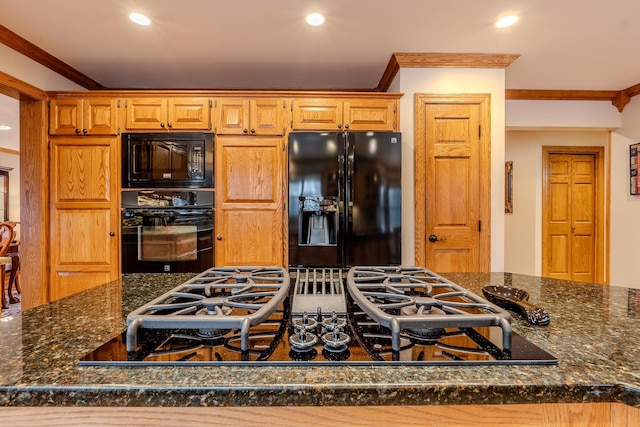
[140, 19]
[315, 19]
[5, 127]
[506, 21]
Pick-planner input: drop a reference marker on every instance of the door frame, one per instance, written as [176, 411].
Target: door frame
[34, 197]
[601, 211]
[484, 102]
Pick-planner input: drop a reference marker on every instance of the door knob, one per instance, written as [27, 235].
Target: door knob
[433, 238]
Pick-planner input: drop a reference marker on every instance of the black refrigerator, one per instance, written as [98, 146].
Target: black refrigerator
[345, 199]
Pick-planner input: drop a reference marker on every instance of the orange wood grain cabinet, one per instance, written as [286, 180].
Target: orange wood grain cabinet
[96, 116]
[84, 217]
[243, 116]
[249, 174]
[168, 114]
[338, 114]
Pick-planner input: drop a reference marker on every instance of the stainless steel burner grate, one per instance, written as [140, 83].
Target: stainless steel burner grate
[416, 299]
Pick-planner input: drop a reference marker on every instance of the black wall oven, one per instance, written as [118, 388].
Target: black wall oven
[167, 231]
[167, 160]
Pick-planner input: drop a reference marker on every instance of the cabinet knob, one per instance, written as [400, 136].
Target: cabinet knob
[253, 131]
[84, 131]
[346, 126]
[218, 237]
[78, 131]
[161, 125]
[170, 125]
[339, 126]
[244, 131]
[112, 234]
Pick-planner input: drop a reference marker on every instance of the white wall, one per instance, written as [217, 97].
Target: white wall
[29, 71]
[523, 227]
[452, 81]
[625, 209]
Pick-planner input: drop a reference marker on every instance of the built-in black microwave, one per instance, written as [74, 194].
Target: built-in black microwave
[167, 160]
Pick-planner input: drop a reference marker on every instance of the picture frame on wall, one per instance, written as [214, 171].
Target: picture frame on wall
[634, 187]
[508, 187]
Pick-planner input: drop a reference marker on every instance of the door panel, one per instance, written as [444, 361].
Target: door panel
[453, 186]
[453, 190]
[570, 221]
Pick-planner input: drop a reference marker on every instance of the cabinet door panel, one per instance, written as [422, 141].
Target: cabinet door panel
[65, 116]
[147, 113]
[84, 214]
[373, 114]
[251, 237]
[267, 116]
[100, 116]
[249, 201]
[232, 116]
[189, 113]
[316, 114]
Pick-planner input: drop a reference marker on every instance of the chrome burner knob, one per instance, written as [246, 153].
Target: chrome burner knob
[305, 322]
[334, 322]
[302, 341]
[336, 340]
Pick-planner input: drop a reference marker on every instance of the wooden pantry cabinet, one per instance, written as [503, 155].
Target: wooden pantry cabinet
[332, 114]
[84, 214]
[250, 116]
[95, 116]
[168, 114]
[249, 216]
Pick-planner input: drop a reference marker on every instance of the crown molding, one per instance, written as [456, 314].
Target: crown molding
[619, 98]
[28, 49]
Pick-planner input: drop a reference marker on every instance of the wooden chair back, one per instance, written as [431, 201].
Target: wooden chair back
[7, 233]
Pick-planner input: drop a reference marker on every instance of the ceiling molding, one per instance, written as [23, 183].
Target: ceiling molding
[454, 60]
[28, 49]
[441, 60]
[619, 98]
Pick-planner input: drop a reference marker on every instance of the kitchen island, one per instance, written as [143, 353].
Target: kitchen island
[594, 333]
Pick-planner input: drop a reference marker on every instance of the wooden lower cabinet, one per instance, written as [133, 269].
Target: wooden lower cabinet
[249, 174]
[529, 415]
[84, 214]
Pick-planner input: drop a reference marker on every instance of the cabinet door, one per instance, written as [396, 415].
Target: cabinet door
[147, 113]
[370, 114]
[267, 116]
[84, 214]
[65, 116]
[249, 201]
[232, 116]
[316, 114]
[100, 116]
[189, 113]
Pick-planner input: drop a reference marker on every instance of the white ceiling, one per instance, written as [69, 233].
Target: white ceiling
[259, 44]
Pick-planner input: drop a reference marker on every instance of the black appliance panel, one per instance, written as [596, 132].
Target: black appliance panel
[167, 160]
[345, 199]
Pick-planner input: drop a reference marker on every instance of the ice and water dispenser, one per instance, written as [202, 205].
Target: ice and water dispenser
[317, 220]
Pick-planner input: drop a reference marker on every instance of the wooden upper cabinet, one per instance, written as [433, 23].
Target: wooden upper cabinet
[242, 116]
[338, 114]
[98, 116]
[168, 114]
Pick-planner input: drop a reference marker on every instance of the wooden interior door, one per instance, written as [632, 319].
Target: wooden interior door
[572, 211]
[249, 201]
[452, 183]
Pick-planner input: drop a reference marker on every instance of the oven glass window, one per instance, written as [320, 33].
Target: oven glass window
[168, 243]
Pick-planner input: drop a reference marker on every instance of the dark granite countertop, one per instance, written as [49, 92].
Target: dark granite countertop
[594, 333]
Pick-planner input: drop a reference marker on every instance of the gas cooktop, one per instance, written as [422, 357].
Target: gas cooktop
[363, 316]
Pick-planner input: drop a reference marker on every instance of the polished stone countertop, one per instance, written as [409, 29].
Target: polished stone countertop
[594, 333]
